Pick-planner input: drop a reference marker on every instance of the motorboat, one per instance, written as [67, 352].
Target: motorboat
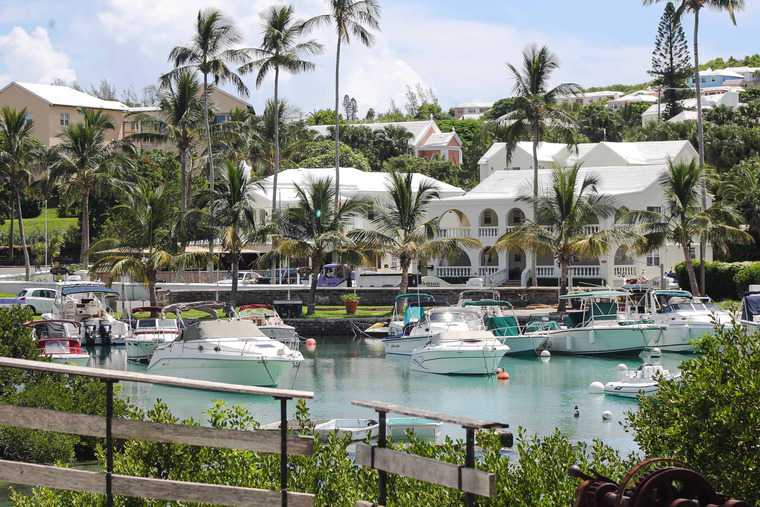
[470, 296]
[227, 350]
[596, 326]
[354, 429]
[687, 318]
[750, 317]
[149, 333]
[270, 323]
[91, 305]
[58, 340]
[500, 318]
[643, 381]
[408, 310]
[423, 429]
[457, 344]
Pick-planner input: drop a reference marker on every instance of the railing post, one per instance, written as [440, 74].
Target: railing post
[382, 441]
[284, 450]
[109, 443]
[469, 462]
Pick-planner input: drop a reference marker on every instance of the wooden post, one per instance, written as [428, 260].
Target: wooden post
[469, 462]
[284, 450]
[109, 443]
[382, 441]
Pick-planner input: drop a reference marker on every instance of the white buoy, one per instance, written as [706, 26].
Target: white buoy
[546, 353]
[606, 415]
[596, 387]
[622, 367]
[655, 352]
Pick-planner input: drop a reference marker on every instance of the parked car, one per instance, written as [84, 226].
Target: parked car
[39, 300]
[244, 278]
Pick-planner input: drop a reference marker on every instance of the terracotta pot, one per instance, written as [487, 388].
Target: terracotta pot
[351, 307]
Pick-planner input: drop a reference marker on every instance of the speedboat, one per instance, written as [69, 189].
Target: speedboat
[687, 318]
[596, 327]
[58, 340]
[149, 333]
[90, 304]
[457, 344]
[223, 350]
[408, 310]
[500, 318]
[423, 429]
[355, 429]
[270, 323]
[643, 381]
[750, 317]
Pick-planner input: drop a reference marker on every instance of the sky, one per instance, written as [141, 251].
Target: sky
[458, 48]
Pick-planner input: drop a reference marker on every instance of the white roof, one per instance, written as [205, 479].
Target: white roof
[637, 97]
[721, 72]
[613, 180]
[417, 128]
[352, 182]
[642, 153]
[684, 116]
[144, 109]
[65, 96]
[474, 104]
[441, 139]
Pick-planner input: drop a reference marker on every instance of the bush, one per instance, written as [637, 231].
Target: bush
[747, 275]
[719, 278]
[710, 418]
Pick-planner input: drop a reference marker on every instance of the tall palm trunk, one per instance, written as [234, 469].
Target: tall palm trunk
[533, 257]
[690, 268]
[84, 258]
[210, 157]
[337, 124]
[151, 279]
[276, 140]
[563, 282]
[405, 263]
[11, 256]
[183, 178]
[701, 143]
[235, 269]
[27, 265]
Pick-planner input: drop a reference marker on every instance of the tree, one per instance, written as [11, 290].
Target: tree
[476, 139]
[210, 52]
[500, 108]
[671, 64]
[686, 220]
[436, 167]
[599, 123]
[351, 18]
[144, 245]
[17, 144]
[281, 49]
[83, 166]
[536, 108]
[740, 187]
[320, 153]
[562, 213]
[234, 209]
[695, 7]
[316, 227]
[322, 117]
[402, 227]
[104, 90]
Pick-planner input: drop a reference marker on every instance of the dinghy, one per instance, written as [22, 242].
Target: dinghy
[356, 429]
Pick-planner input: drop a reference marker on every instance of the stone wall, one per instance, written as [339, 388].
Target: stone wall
[314, 328]
[518, 296]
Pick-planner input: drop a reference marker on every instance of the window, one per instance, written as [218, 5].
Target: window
[655, 209]
[64, 119]
[221, 118]
[653, 258]
[27, 117]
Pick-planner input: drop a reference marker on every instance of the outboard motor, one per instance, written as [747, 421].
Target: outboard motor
[89, 334]
[105, 333]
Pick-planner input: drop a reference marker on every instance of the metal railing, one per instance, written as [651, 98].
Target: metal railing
[463, 478]
[110, 484]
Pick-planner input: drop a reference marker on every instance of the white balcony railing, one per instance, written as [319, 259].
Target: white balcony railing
[488, 270]
[590, 229]
[584, 271]
[488, 232]
[455, 232]
[453, 271]
[625, 271]
[546, 271]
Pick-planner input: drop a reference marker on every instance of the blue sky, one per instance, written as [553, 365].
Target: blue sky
[458, 48]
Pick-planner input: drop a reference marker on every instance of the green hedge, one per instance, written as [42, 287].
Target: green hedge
[725, 280]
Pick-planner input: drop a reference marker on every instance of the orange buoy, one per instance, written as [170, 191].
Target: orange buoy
[311, 344]
[501, 374]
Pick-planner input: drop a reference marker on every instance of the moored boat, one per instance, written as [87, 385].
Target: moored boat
[149, 333]
[270, 323]
[643, 381]
[355, 429]
[408, 310]
[59, 341]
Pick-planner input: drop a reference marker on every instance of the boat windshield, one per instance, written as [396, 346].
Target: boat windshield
[690, 307]
[157, 324]
[452, 317]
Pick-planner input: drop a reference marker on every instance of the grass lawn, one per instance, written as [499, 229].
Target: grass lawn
[7, 295]
[36, 225]
[337, 312]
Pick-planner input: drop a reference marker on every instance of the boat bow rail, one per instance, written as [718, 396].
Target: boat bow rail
[110, 484]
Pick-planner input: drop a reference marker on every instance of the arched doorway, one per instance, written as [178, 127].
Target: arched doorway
[515, 263]
[489, 261]
[488, 224]
[457, 265]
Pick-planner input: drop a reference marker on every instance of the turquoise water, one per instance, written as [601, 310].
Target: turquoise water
[539, 396]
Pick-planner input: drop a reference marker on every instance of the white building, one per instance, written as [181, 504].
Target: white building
[587, 98]
[588, 154]
[711, 98]
[493, 208]
[637, 97]
[471, 110]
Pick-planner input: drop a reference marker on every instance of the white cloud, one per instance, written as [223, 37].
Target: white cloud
[30, 56]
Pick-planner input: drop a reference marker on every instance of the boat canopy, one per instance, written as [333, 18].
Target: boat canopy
[673, 293]
[751, 306]
[503, 326]
[216, 329]
[85, 289]
[609, 294]
[421, 296]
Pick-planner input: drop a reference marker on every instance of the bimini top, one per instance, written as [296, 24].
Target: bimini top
[418, 295]
[751, 306]
[673, 293]
[596, 294]
[488, 302]
[217, 329]
[84, 289]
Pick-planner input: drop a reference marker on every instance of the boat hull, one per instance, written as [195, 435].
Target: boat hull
[72, 359]
[522, 344]
[285, 334]
[251, 371]
[630, 390]
[354, 429]
[142, 350]
[449, 361]
[613, 340]
[404, 345]
[680, 337]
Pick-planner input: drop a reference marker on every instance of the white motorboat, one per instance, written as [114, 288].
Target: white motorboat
[424, 429]
[458, 344]
[355, 429]
[597, 327]
[58, 340]
[686, 318]
[499, 317]
[150, 333]
[270, 323]
[223, 350]
[437, 320]
[408, 310]
[643, 381]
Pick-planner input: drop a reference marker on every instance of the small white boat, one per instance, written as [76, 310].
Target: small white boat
[356, 429]
[500, 318]
[642, 381]
[150, 333]
[408, 310]
[424, 429]
[58, 340]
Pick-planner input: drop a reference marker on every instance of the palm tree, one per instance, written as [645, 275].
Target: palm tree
[83, 165]
[695, 7]
[351, 18]
[234, 209]
[535, 109]
[16, 146]
[210, 53]
[571, 203]
[404, 230]
[315, 228]
[145, 247]
[281, 50]
[686, 220]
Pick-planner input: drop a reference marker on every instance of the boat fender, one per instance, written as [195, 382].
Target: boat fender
[622, 367]
[217, 348]
[545, 354]
[311, 344]
[596, 387]
[606, 415]
[502, 375]
[200, 348]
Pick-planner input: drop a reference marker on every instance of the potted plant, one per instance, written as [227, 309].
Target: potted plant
[351, 301]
